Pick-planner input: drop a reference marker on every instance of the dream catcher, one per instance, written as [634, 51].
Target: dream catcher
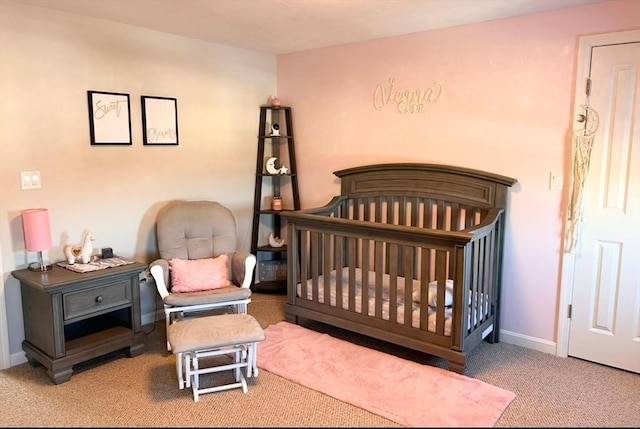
[582, 144]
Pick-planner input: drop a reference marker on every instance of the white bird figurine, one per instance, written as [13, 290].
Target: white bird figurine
[275, 241]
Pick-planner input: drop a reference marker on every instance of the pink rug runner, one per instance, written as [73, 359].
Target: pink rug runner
[400, 390]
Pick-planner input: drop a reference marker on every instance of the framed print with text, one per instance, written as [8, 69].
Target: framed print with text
[159, 120]
[109, 118]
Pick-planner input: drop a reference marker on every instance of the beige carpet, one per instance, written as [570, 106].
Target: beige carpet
[116, 391]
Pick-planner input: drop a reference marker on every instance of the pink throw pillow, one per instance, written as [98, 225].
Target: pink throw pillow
[193, 275]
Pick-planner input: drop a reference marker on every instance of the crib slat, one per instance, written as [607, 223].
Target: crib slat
[366, 267]
[329, 265]
[393, 282]
[351, 258]
[469, 218]
[427, 213]
[314, 246]
[304, 264]
[415, 212]
[402, 211]
[378, 210]
[379, 270]
[454, 217]
[391, 202]
[408, 285]
[475, 280]
[440, 215]
[425, 267]
[339, 255]
[441, 279]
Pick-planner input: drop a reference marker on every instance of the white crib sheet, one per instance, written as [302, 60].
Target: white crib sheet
[415, 305]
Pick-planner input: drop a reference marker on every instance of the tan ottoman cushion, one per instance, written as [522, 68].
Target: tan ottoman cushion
[214, 332]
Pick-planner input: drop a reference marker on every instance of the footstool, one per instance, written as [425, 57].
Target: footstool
[237, 335]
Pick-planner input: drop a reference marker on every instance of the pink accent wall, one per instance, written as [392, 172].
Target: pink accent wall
[506, 107]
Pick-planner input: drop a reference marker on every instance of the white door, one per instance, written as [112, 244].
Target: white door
[605, 316]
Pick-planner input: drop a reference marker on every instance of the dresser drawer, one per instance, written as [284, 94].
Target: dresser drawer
[97, 299]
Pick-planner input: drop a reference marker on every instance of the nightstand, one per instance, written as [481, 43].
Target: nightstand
[72, 317]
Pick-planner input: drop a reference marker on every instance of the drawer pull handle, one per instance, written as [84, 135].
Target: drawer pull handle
[99, 299]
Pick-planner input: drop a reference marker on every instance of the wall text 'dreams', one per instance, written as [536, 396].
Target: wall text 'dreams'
[154, 135]
[408, 101]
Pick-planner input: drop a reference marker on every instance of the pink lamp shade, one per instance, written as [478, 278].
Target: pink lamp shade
[37, 230]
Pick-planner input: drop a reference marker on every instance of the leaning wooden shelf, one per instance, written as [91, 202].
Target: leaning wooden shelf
[267, 221]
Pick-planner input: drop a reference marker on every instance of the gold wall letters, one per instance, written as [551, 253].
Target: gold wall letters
[405, 101]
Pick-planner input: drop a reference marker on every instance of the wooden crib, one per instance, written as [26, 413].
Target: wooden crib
[408, 253]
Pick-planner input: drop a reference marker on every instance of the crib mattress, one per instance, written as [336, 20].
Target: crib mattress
[400, 304]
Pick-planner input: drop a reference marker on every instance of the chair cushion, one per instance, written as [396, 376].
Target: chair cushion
[213, 296]
[199, 274]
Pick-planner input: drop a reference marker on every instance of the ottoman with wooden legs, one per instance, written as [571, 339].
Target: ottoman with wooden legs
[236, 335]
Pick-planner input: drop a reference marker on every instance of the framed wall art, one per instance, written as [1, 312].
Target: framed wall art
[109, 118]
[159, 120]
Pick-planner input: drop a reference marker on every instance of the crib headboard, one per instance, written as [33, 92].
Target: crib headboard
[439, 182]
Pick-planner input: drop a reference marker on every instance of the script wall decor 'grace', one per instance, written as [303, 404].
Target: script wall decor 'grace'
[408, 101]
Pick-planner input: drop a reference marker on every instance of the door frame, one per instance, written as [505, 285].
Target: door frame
[587, 43]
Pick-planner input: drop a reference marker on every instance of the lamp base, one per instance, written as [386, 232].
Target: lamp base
[41, 265]
[37, 266]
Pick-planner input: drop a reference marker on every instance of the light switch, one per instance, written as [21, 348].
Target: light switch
[30, 180]
[555, 181]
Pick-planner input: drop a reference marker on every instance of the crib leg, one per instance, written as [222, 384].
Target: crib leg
[492, 338]
[458, 367]
[291, 319]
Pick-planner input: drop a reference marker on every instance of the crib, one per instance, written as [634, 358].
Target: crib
[410, 254]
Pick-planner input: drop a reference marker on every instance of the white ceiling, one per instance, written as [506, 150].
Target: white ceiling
[285, 26]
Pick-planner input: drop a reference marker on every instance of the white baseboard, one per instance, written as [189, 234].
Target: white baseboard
[528, 342]
[18, 358]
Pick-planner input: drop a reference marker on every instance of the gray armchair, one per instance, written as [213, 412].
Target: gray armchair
[190, 230]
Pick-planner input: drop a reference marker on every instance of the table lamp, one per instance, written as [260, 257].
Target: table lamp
[37, 235]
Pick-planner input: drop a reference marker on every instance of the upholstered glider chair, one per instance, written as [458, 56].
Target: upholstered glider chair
[200, 269]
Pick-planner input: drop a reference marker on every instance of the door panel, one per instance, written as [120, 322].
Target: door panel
[605, 321]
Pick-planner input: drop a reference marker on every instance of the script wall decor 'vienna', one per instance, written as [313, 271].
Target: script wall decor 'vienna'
[159, 120]
[109, 118]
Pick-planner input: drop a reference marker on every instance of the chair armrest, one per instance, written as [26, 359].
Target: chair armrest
[159, 270]
[242, 266]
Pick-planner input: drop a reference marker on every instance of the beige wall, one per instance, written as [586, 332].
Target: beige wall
[505, 107]
[48, 61]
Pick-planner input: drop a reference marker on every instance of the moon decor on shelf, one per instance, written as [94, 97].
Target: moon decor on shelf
[271, 167]
[275, 130]
[275, 241]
